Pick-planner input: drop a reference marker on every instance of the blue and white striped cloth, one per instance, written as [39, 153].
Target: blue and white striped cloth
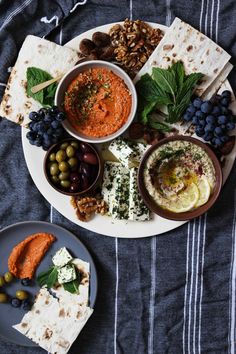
[173, 293]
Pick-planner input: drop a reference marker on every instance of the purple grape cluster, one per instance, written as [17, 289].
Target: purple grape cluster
[212, 119]
[45, 127]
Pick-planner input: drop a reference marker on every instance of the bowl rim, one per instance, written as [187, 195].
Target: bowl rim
[188, 215]
[91, 187]
[124, 76]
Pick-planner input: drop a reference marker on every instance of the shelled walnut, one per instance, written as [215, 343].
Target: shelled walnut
[86, 207]
[134, 42]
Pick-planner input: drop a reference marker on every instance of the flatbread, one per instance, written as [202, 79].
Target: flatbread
[40, 53]
[198, 53]
[57, 316]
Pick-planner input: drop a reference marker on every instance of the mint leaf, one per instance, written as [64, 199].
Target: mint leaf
[159, 126]
[72, 286]
[145, 112]
[48, 278]
[178, 70]
[188, 85]
[165, 80]
[147, 88]
[52, 278]
[36, 76]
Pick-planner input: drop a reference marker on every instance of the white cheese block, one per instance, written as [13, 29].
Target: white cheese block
[137, 209]
[128, 153]
[66, 274]
[62, 257]
[111, 169]
[120, 200]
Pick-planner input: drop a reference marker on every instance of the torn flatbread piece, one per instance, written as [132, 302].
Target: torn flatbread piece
[57, 316]
[52, 323]
[39, 53]
[198, 53]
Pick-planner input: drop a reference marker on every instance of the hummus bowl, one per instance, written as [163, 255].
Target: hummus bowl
[179, 178]
[99, 100]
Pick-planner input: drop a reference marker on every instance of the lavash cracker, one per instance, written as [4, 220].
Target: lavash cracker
[198, 53]
[55, 321]
[40, 53]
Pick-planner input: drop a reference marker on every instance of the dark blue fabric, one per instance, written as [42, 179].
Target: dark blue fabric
[172, 293]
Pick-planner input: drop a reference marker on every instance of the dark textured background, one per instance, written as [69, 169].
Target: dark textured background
[173, 293]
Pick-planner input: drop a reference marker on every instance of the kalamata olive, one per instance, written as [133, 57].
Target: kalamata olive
[74, 177]
[84, 169]
[101, 39]
[60, 155]
[85, 184]
[64, 166]
[63, 146]
[64, 175]
[79, 155]
[8, 277]
[65, 183]
[3, 298]
[52, 156]
[70, 151]
[2, 281]
[73, 162]
[54, 169]
[93, 55]
[90, 158]
[74, 187]
[85, 147]
[21, 295]
[75, 144]
[86, 45]
[55, 179]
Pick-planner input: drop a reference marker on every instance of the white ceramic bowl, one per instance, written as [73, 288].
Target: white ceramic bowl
[67, 79]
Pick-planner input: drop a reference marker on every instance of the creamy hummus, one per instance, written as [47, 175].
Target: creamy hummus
[175, 167]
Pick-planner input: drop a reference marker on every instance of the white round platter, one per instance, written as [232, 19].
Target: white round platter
[101, 224]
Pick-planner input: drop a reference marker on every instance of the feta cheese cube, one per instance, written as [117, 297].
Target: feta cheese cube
[66, 274]
[62, 257]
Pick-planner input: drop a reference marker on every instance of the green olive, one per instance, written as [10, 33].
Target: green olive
[60, 155]
[55, 179]
[64, 175]
[3, 298]
[8, 277]
[70, 151]
[52, 156]
[21, 295]
[2, 281]
[65, 183]
[73, 162]
[64, 166]
[75, 144]
[54, 169]
[63, 146]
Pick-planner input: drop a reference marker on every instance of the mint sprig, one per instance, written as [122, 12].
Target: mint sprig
[169, 87]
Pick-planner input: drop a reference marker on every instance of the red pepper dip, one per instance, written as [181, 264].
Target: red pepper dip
[97, 102]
